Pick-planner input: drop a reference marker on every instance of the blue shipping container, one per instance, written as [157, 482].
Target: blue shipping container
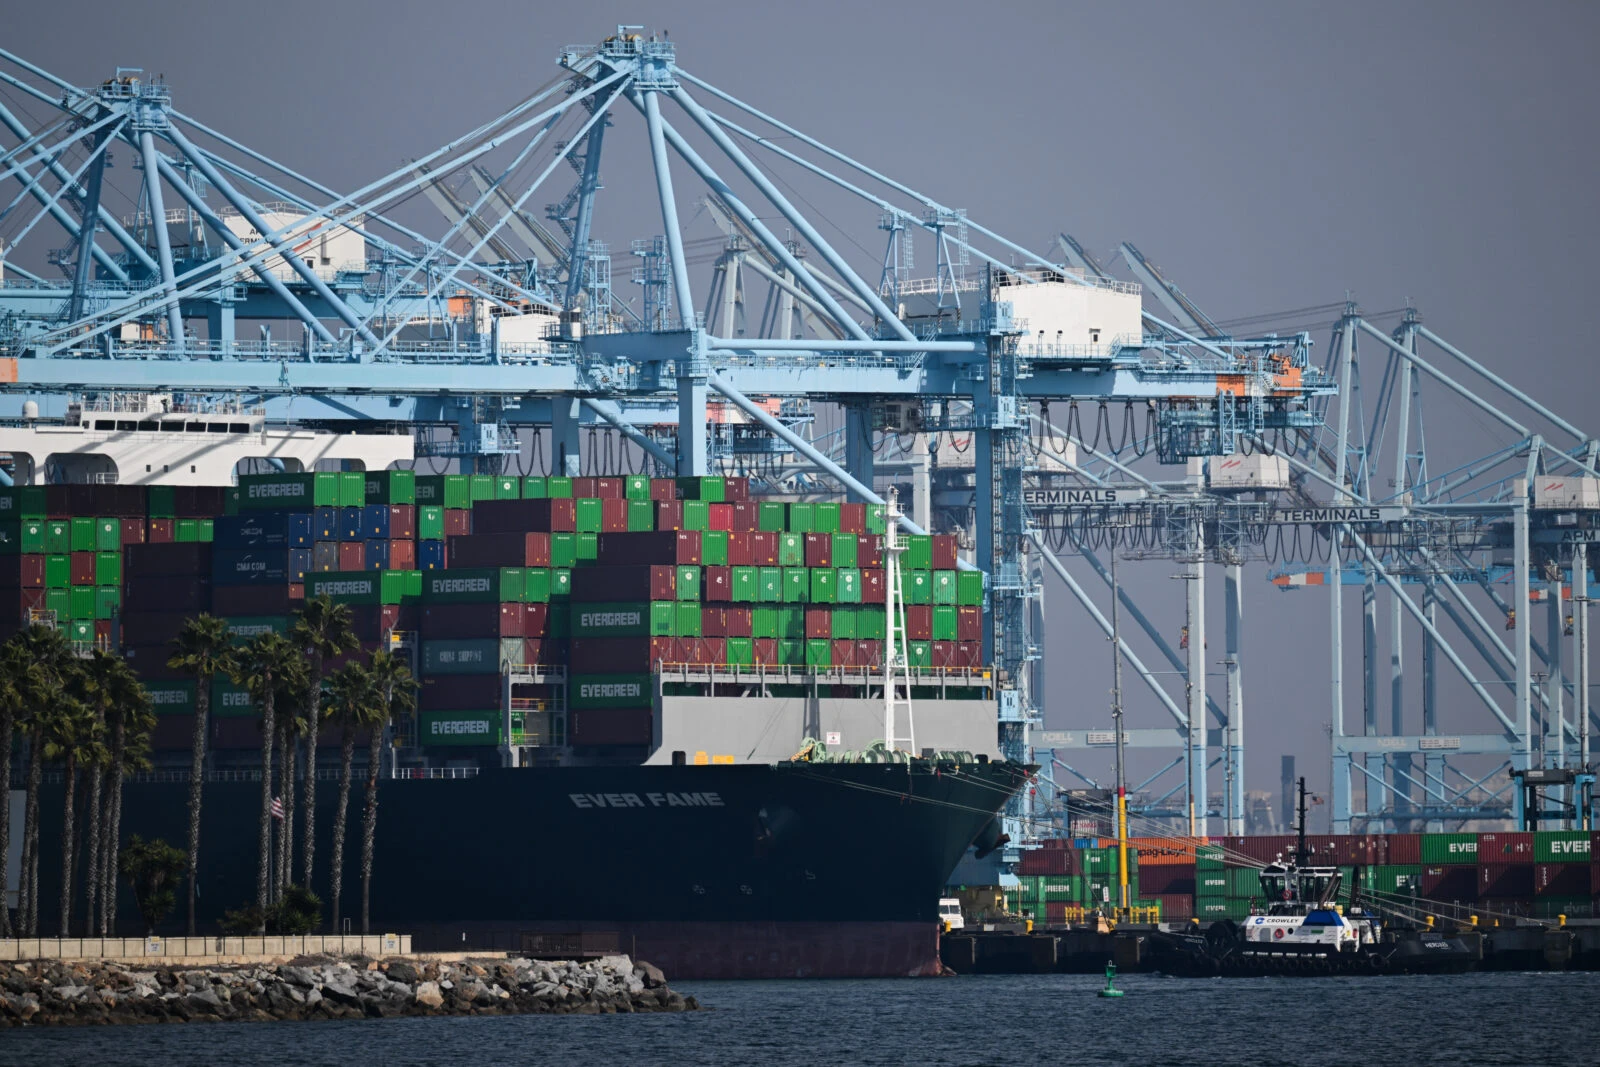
[260, 529]
[377, 556]
[250, 566]
[430, 555]
[351, 524]
[375, 521]
[325, 524]
[299, 564]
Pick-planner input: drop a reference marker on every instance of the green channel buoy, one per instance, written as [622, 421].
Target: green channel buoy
[1111, 975]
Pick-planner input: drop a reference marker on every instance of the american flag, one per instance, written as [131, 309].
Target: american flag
[277, 808]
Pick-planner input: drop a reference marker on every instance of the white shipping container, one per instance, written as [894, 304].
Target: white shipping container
[1566, 493]
[1250, 472]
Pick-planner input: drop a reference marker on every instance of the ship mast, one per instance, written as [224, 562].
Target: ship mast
[1116, 724]
[896, 660]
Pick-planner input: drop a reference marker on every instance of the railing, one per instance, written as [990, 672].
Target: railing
[176, 948]
[432, 773]
[795, 674]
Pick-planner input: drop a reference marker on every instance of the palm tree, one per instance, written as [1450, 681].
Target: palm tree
[260, 666]
[15, 670]
[52, 656]
[351, 691]
[202, 648]
[73, 735]
[322, 629]
[397, 689]
[292, 687]
[91, 685]
[130, 721]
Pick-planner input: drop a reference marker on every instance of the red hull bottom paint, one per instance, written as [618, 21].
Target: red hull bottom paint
[695, 951]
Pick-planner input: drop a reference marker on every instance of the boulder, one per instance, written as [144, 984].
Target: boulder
[650, 974]
[429, 996]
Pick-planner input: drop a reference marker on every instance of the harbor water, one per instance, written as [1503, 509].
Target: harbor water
[1472, 1020]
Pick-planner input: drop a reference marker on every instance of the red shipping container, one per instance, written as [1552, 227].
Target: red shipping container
[1262, 850]
[1504, 881]
[853, 518]
[33, 600]
[536, 620]
[873, 590]
[766, 649]
[1048, 861]
[944, 654]
[608, 488]
[102, 629]
[713, 651]
[718, 584]
[719, 516]
[511, 622]
[1166, 879]
[1559, 879]
[585, 487]
[684, 650]
[764, 549]
[402, 555]
[613, 514]
[844, 652]
[352, 556]
[1504, 848]
[133, 531]
[737, 488]
[1173, 908]
[31, 571]
[1055, 912]
[969, 624]
[919, 622]
[711, 622]
[83, 568]
[746, 517]
[669, 515]
[740, 552]
[160, 531]
[819, 550]
[736, 622]
[612, 726]
[1404, 848]
[869, 653]
[869, 551]
[819, 623]
[944, 552]
[663, 489]
[969, 654]
[402, 523]
[1450, 883]
[457, 522]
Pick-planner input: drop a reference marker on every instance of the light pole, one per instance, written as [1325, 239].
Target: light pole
[1116, 723]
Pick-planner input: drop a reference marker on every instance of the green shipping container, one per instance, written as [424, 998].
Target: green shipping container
[792, 624]
[564, 550]
[688, 582]
[791, 550]
[770, 516]
[283, 492]
[791, 653]
[478, 656]
[229, 701]
[714, 548]
[1208, 857]
[107, 602]
[1211, 883]
[796, 585]
[161, 501]
[107, 535]
[709, 489]
[82, 535]
[741, 652]
[58, 536]
[920, 653]
[1403, 880]
[589, 514]
[57, 572]
[640, 619]
[481, 728]
[171, 697]
[1244, 883]
[944, 624]
[697, 516]
[80, 605]
[769, 585]
[508, 487]
[944, 587]
[560, 582]
[369, 587]
[636, 487]
[535, 487]
[849, 585]
[686, 620]
[586, 546]
[802, 518]
[430, 523]
[352, 489]
[59, 601]
[108, 568]
[248, 628]
[641, 516]
[872, 623]
[824, 585]
[503, 585]
[745, 585]
[480, 487]
[391, 487]
[536, 585]
[559, 486]
[611, 691]
[969, 589]
[1561, 846]
[844, 624]
[1450, 848]
[186, 531]
[764, 622]
[917, 587]
[32, 532]
[877, 520]
[825, 519]
[208, 530]
[819, 653]
[844, 550]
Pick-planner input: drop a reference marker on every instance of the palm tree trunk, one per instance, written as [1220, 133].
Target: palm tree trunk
[110, 828]
[313, 725]
[91, 843]
[68, 827]
[197, 772]
[264, 844]
[8, 725]
[347, 755]
[29, 898]
[286, 798]
[369, 824]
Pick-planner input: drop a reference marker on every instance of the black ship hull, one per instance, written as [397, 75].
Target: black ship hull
[710, 872]
[1219, 952]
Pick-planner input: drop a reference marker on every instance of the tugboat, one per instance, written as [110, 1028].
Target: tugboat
[1302, 930]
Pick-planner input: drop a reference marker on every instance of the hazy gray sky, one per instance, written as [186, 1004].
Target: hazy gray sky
[1268, 156]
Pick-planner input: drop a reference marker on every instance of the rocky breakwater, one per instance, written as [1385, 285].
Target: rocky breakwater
[51, 993]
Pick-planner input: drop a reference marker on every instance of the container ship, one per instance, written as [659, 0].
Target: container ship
[616, 675]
